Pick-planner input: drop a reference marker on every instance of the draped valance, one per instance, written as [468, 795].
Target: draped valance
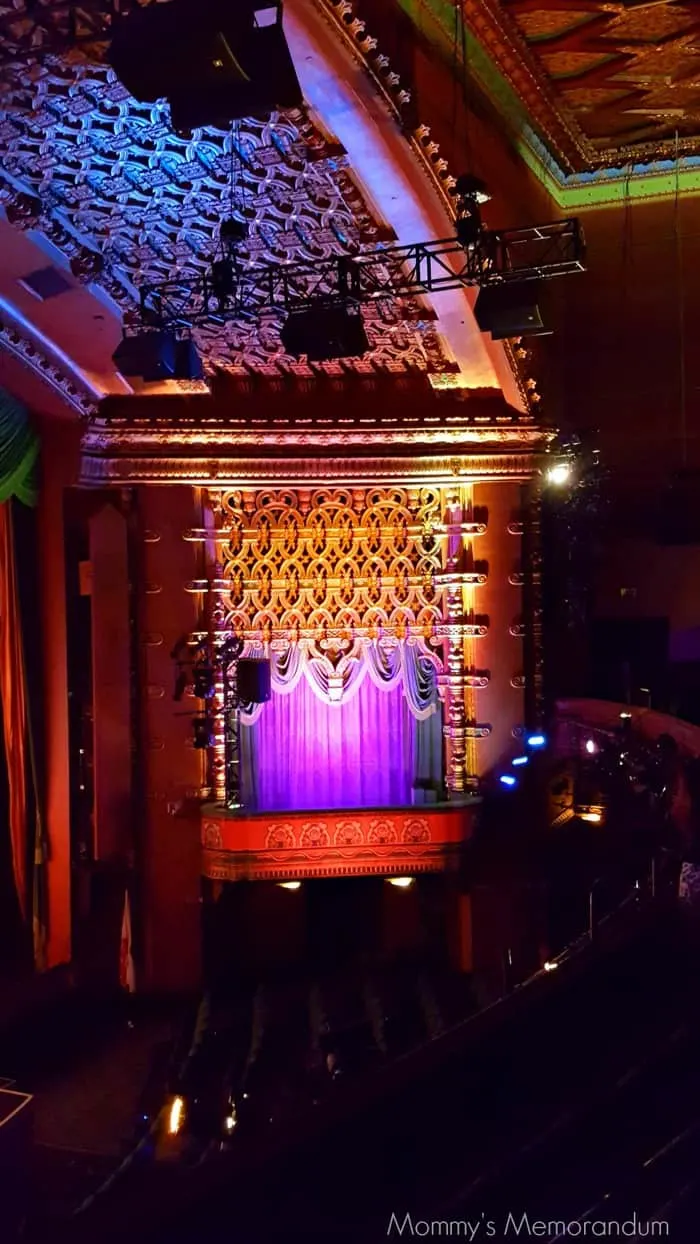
[19, 448]
[388, 666]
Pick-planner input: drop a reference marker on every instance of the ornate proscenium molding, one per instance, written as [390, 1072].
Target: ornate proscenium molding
[275, 434]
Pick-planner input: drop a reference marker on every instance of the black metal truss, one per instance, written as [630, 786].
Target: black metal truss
[499, 256]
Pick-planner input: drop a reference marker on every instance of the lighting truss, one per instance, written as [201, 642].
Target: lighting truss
[499, 256]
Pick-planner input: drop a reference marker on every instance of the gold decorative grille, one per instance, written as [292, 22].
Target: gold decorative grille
[331, 564]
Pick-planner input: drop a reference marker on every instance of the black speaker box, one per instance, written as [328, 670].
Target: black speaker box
[152, 355]
[254, 682]
[509, 310]
[215, 61]
[323, 333]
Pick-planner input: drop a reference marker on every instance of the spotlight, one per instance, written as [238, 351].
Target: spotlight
[223, 282]
[558, 474]
[203, 731]
[625, 716]
[176, 1116]
[468, 186]
[591, 747]
[468, 225]
[232, 232]
[203, 681]
[521, 760]
[333, 331]
[536, 740]
[507, 779]
[289, 885]
[401, 883]
[550, 966]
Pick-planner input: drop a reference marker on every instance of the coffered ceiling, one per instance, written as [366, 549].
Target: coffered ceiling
[628, 72]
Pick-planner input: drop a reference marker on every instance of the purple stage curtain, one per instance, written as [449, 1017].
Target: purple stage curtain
[304, 753]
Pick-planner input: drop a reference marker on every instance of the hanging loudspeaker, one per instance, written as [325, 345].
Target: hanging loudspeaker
[254, 682]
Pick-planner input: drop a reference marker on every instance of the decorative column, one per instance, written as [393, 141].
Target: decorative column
[454, 677]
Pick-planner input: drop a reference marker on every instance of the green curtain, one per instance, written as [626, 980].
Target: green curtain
[19, 450]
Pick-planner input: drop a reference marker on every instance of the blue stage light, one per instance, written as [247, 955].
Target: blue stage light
[521, 760]
[536, 740]
[508, 780]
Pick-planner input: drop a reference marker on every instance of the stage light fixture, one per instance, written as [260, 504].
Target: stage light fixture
[232, 233]
[223, 281]
[591, 747]
[536, 740]
[203, 682]
[203, 731]
[334, 331]
[289, 885]
[521, 760]
[558, 474]
[507, 779]
[467, 186]
[401, 883]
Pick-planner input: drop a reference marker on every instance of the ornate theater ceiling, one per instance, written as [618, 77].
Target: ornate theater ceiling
[114, 186]
[104, 192]
[601, 97]
[629, 72]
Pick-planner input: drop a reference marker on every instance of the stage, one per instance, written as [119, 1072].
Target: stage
[286, 846]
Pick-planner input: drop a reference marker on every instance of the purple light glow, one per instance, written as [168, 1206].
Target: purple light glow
[303, 753]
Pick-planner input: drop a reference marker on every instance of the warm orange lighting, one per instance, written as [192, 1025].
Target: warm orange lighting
[401, 883]
[176, 1116]
[289, 885]
[593, 813]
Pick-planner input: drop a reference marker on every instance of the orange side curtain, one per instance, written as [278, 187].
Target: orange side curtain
[14, 703]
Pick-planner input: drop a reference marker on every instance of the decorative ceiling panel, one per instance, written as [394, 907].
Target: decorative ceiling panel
[113, 180]
[628, 71]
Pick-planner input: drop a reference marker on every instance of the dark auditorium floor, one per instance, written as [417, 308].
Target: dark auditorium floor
[94, 1073]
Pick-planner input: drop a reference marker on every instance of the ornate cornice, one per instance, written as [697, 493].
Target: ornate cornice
[38, 359]
[264, 433]
[263, 472]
